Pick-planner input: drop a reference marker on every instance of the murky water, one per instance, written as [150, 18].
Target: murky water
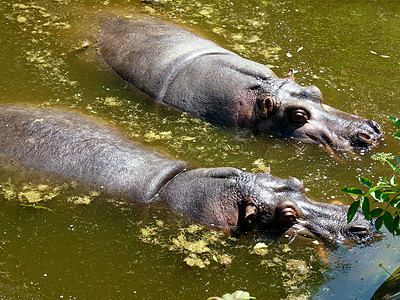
[107, 250]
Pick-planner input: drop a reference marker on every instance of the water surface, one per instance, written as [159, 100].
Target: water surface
[107, 250]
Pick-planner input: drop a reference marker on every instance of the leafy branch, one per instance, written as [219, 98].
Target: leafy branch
[386, 192]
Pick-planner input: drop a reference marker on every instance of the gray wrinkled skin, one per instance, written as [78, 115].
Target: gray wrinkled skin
[75, 147]
[180, 69]
[64, 143]
[228, 192]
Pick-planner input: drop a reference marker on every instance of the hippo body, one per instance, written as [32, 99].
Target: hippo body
[76, 147]
[180, 69]
[67, 144]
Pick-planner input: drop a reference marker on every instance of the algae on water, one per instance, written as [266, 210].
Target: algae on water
[198, 245]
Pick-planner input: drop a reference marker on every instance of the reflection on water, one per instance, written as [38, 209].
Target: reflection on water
[106, 250]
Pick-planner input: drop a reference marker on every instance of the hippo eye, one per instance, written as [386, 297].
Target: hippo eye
[287, 213]
[299, 117]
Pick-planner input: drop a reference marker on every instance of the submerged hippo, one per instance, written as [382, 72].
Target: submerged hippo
[190, 73]
[75, 147]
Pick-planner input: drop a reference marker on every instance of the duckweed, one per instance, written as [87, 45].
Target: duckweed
[260, 166]
[29, 192]
[83, 45]
[260, 249]
[199, 246]
[194, 261]
[83, 199]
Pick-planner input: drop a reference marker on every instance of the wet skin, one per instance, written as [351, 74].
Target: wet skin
[76, 147]
[180, 69]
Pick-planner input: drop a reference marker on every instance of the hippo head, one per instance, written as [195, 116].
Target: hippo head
[230, 198]
[295, 111]
[280, 205]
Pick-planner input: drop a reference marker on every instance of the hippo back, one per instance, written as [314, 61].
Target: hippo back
[149, 53]
[145, 53]
[70, 145]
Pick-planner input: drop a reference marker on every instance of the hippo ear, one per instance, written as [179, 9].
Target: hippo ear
[290, 74]
[250, 212]
[265, 106]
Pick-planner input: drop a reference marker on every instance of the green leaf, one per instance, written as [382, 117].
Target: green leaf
[388, 220]
[377, 195]
[364, 203]
[382, 156]
[352, 211]
[372, 190]
[376, 212]
[395, 121]
[384, 198]
[397, 134]
[365, 181]
[383, 183]
[389, 192]
[34, 206]
[395, 202]
[380, 196]
[398, 160]
[353, 191]
[378, 223]
[392, 165]
[393, 181]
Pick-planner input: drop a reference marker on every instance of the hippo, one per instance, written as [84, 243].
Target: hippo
[183, 70]
[73, 146]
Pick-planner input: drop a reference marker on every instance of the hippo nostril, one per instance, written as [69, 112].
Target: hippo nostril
[361, 139]
[360, 231]
[364, 136]
[375, 126]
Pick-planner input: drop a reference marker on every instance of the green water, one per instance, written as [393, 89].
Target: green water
[106, 250]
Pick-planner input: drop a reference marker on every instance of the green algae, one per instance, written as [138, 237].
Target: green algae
[260, 166]
[244, 40]
[198, 246]
[83, 45]
[31, 195]
[29, 192]
[83, 199]
[260, 249]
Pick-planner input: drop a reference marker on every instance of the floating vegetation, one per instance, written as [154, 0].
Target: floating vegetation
[40, 23]
[215, 13]
[83, 199]
[29, 192]
[199, 246]
[382, 157]
[30, 195]
[238, 295]
[34, 206]
[112, 101]
[260, 249]
[151, 135]
[83, 45]
[194, 261]
[260, 166]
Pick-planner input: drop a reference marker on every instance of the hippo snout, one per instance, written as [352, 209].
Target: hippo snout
[360, 231]
[369, 136]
